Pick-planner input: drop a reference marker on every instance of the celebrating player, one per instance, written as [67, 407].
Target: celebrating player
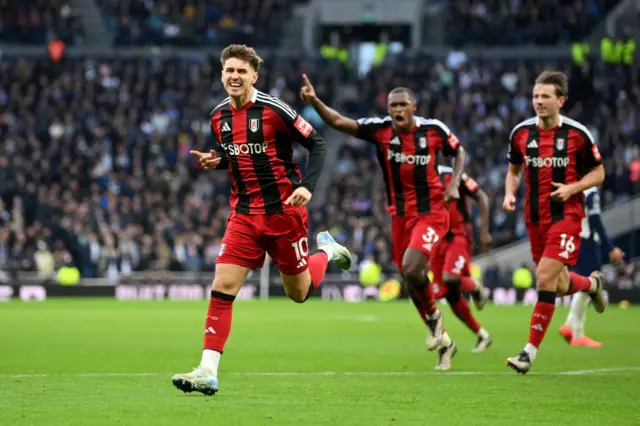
[407, 150]
[450, 266]
[254, 140]
[593, 234]
[560, 162]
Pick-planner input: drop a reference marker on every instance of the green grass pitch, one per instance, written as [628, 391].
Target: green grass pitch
[97, 362]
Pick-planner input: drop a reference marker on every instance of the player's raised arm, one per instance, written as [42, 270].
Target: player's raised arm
[329, 115]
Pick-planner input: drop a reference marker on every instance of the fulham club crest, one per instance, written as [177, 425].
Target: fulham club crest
[423, 142]
[254, 125]
[560, 144]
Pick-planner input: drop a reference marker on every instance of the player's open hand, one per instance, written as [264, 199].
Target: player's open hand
[616, 256]
[307, 93]
[562, 193]
[208, 160]
[509, 203]
[300, 197]
[451, 194]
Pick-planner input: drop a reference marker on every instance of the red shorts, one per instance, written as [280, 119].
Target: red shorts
[556, 240]
[452, 257]
[424, 233]
[283, 235]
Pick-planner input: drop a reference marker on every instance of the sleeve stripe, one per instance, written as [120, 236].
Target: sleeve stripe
[281, 106]
[373, 120]
[527, 122]
[220, 105]
[433, 122]
[580, 127]
[444, 169]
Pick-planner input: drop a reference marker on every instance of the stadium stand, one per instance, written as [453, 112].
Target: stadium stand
[526, 22]
[39, 21]
[480, 102]
[126, 126]
[191, 23]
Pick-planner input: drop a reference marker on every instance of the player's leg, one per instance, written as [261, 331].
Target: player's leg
[239, 253]
[561, 242]
[426, 233]
[573, 328]
[585, 290]
[301, 285]
[547, 276]
[455, 268]
[286, 242]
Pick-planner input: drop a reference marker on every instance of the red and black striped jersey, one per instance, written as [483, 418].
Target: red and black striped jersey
[256, 145]
[459, 215]
[563, 155]
[408, 162]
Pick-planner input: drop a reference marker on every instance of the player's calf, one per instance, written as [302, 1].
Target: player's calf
[226, 284]
[461, 309]
[421, 293]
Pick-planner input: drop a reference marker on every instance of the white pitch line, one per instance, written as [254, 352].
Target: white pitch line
[602, 371]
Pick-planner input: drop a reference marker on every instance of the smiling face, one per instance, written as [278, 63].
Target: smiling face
[238, 76]
[400, 107]
[546, 101]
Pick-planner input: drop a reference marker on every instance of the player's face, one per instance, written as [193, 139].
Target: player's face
[238, 76]
[545, 101]
[400, 108]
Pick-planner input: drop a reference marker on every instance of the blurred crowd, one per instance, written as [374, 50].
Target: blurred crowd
[39, 21]
[196, 23]
[215, 23]
[547, 22]
[94, 165]
[481, 102]
[95, 170]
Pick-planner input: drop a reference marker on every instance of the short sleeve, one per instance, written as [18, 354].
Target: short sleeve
[591, 157]
[368, 127]
[450, 141]
[300, 129]
[514, 155]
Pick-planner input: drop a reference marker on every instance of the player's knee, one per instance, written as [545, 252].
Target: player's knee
[451, 282]
[546, 281]
[297, 295]
[226, 284]
[412, 271]
[297, 287]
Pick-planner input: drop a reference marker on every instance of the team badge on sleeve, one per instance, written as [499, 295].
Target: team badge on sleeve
[303, 126]
[596, 153]
[453, 141]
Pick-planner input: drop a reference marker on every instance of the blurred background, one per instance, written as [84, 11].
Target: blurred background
[101, 101]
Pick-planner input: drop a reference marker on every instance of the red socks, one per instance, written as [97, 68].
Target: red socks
[318, 263]
[462, 311]
[578, 283]
[467, 285]
[218, 323]
[424, 301]
[541, 317]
